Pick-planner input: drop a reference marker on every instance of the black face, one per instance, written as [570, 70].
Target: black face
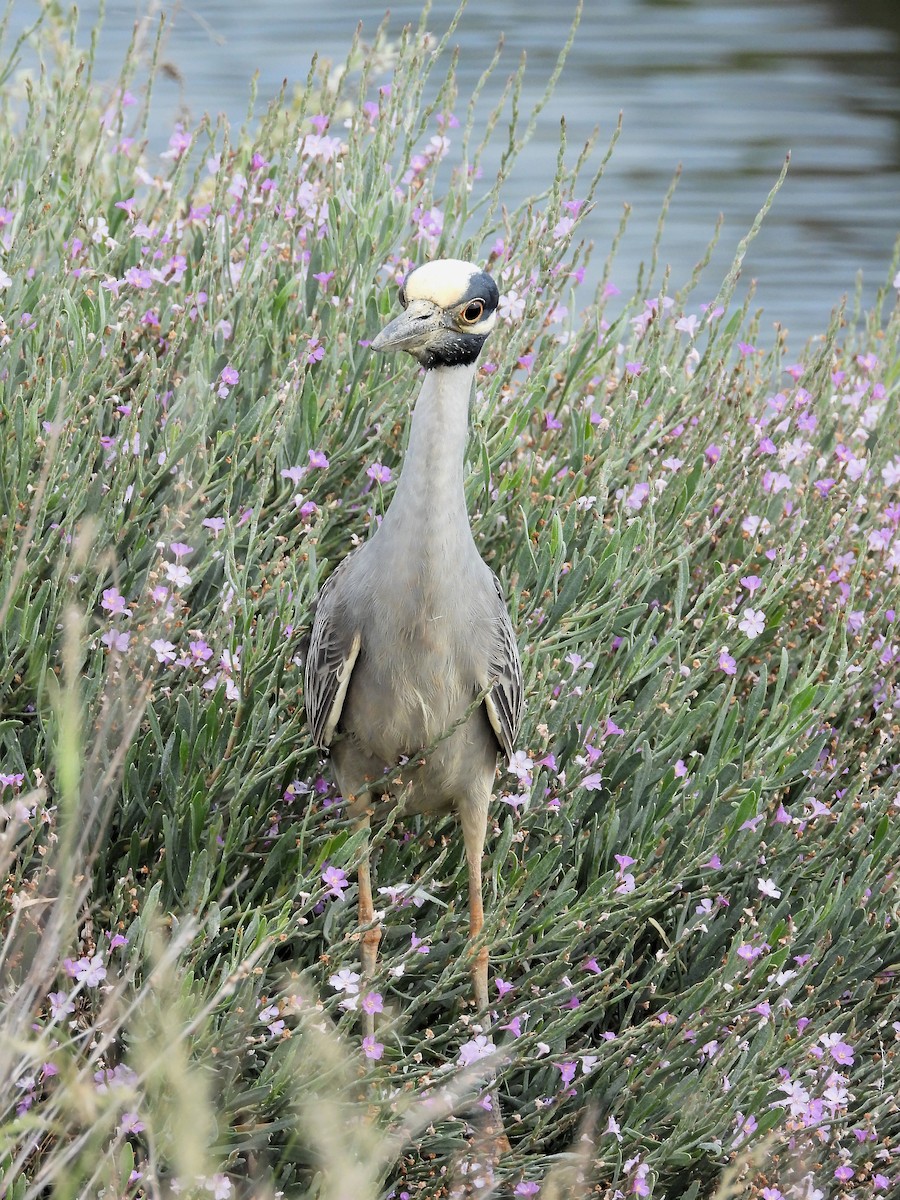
[453, 350]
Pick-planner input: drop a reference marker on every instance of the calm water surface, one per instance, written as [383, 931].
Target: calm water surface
[723, 87]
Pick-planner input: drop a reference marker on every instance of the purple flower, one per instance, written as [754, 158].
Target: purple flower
[567, 1072]
[842, 1053]
[639, 1185]
[178, 143]
[371, 1048]
[372, 1002]
[200, 651]
[90, 971]
[60, 1005]
[748, 952]
[113, 602]
[138, 277]
[512, 306]
[315, 351]
[688, 325]
[317, 459]
[164, 651]
[178, 575]
[726, 662]
[113, 640]
[745, 1127]
[478, 1047]
[131, 1123]
[379, 473]
[335, 879]
[751, 583]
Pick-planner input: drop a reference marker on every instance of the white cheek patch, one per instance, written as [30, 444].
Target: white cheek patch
[481, 328]
[443, 282]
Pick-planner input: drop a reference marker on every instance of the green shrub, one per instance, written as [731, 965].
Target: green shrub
[691, 880]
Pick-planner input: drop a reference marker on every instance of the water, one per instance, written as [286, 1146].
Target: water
[723, 87]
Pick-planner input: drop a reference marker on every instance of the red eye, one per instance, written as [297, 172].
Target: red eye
[473, 311]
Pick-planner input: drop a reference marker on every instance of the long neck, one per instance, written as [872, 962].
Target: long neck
[430, 497]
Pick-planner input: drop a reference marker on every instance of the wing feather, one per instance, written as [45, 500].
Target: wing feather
[334, 645]
[505, 702]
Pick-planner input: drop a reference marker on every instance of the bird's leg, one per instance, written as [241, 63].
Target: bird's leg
[474, 823]
[371, 932]
[476, 924]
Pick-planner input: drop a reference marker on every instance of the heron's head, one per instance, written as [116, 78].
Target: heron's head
[450, 307]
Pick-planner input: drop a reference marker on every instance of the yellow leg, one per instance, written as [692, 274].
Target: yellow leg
[476, 924]
[491, 1138]
[370, 932]
[474, 822]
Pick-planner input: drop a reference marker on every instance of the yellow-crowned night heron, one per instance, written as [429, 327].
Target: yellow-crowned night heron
[412, 628]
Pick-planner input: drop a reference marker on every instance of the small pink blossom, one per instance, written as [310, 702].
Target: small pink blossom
[113, 602]
[753, 622]
[475, 1049]
[113, 640]
[371, 1048]
[726, 662]
[335, 880]
[379, 474]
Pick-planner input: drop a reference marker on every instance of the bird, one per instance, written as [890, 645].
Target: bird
[412, 656]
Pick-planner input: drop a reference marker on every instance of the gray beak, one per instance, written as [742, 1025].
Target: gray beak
[413, 329]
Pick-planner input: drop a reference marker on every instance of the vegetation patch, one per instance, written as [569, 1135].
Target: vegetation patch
[691, 884]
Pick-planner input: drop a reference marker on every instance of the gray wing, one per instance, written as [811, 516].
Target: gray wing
[506, 700]
[333, 648]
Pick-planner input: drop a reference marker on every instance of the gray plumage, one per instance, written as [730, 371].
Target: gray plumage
[412, 627]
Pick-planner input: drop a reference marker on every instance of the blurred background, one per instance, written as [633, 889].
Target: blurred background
[723, 87]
